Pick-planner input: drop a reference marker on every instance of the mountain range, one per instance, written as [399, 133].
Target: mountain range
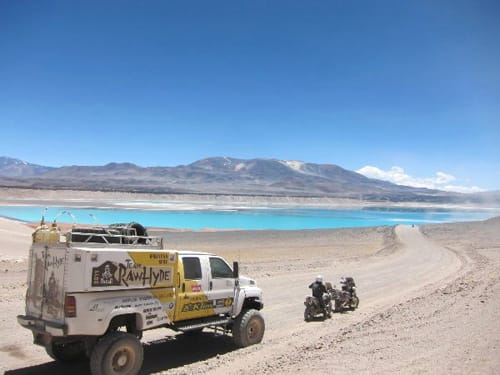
[220, 175]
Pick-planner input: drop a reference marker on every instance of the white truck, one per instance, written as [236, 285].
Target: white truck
[93, 291]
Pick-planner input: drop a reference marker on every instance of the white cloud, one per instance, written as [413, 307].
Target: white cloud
[397, 175]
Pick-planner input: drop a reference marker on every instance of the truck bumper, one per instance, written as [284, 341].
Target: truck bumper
[39, 326]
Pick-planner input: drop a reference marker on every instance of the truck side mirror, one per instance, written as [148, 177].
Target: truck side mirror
[236, 270]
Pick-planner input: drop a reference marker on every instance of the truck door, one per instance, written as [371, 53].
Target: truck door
[221, 285]
[36, 277]
[53, 302]
[192, 299]
[45, 297]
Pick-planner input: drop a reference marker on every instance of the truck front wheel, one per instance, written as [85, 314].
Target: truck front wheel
[248, 328]
[117, 353]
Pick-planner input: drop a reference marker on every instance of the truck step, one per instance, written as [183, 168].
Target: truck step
[193, 325]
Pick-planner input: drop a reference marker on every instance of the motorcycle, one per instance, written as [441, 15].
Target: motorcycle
[345, 298]
[314, 310]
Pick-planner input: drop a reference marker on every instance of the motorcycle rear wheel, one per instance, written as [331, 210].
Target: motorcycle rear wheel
[338, 305]
[354, 303]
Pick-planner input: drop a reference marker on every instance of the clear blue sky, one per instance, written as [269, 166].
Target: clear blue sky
[413, 84]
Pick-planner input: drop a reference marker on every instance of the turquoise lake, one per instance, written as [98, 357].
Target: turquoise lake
[282, 219]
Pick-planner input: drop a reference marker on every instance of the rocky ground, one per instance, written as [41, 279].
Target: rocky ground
[430, 303]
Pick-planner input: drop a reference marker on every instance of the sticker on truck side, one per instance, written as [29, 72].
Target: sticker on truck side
[156, 306]
[131, 274]
[148, 269]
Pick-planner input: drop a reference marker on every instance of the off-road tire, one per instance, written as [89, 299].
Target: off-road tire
[328, 310]
[354, 303]
[248, 328]
[338, 305]
[69, 352]
[308, 316]
[117, 353]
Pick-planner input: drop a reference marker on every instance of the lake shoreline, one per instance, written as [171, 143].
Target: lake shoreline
[222, 213]
[179, 202]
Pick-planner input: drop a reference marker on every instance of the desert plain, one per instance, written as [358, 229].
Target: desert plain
[429, 302]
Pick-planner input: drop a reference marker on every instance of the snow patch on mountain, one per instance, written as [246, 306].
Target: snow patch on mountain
[293, 164]
[239, 166]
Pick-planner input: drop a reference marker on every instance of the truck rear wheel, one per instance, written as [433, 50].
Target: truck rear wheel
[117, 353]
[67, 352]
[248, 328]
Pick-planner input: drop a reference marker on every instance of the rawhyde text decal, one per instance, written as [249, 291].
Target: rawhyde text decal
[131, 274]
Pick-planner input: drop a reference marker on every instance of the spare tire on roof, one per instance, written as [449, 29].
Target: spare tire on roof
[132, 229]
[139, 229]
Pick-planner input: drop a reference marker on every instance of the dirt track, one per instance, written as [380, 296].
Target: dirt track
[412, 265]
[420, 299]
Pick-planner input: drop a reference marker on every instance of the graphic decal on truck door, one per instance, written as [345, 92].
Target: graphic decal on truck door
[45, 292]
[35, 290]
[52, 295]
[192, 301]
[55, 258]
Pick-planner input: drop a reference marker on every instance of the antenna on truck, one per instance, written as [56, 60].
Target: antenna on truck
[65, 212]
[94, 218]
[44, 212]
[72, 217]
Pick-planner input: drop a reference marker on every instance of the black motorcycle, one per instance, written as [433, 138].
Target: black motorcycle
[314, 310]
[345, 298]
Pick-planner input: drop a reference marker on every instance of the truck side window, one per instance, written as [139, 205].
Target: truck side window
[220, 269]
[192, 268]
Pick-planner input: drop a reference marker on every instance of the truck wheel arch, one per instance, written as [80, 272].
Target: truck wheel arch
[252, 303]
[244, 301]
[133, 323]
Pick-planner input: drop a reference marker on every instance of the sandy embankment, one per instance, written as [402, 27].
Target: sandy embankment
[430, 303]
[14, 240]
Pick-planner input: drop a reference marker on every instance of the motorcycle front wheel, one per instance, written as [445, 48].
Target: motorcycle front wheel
[328, 310]
[308, 316]
[354, 303]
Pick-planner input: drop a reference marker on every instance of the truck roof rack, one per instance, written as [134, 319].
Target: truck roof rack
[123, 234]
